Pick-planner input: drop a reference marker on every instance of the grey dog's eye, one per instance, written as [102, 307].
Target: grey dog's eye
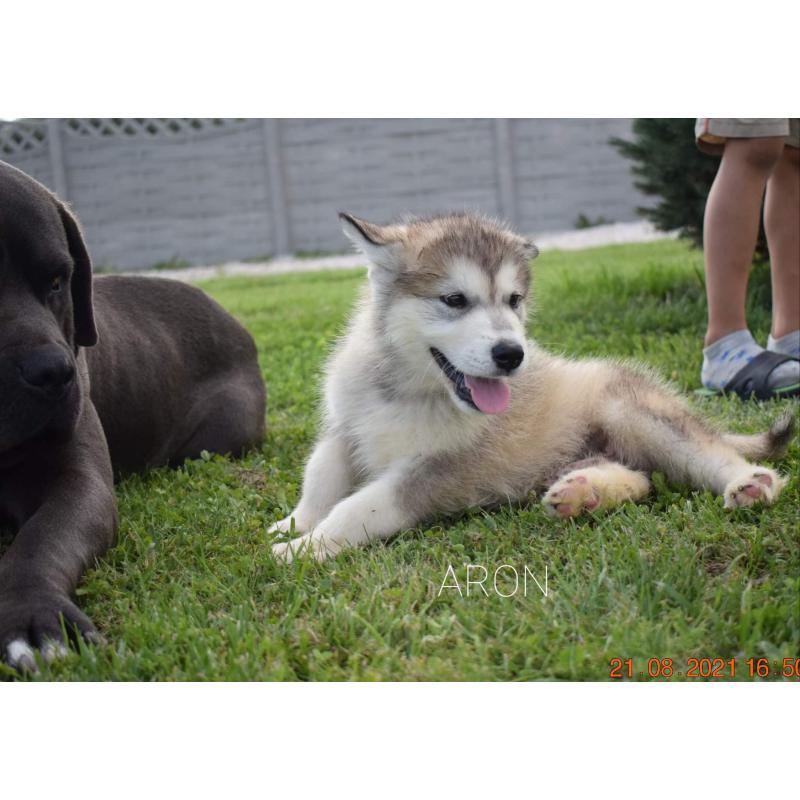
[454, 300]
[55, 285]
[515, 300]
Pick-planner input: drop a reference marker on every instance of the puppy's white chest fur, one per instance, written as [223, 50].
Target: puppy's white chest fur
[402, 431]
[384, 417]
[383, 432]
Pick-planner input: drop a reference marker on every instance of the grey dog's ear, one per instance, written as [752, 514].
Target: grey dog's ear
[379, 243]
[82, 307]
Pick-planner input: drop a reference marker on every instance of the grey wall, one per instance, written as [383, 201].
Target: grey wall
[211, 190]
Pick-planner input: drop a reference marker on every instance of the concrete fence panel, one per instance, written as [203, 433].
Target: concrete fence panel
[203, 191]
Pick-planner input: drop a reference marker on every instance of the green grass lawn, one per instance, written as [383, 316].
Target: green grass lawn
[192, 591]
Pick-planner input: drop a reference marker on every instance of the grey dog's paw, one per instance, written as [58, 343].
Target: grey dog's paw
[30, 624]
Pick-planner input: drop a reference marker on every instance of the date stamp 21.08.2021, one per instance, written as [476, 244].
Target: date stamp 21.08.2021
[704, 668]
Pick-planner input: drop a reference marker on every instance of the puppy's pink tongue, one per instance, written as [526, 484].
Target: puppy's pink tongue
[491, 395]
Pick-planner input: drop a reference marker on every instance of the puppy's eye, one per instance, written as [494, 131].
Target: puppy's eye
[55, 285]
[454, 300]
[515, 300]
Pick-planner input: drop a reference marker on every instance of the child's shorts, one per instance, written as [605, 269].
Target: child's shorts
[711, 134]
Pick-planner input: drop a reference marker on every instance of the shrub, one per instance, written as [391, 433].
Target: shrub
[669, 166]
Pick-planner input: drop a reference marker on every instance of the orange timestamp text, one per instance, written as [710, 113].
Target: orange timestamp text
[705, 668]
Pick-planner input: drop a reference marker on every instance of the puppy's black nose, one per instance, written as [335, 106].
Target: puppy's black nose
[48, 368]
[507, 355]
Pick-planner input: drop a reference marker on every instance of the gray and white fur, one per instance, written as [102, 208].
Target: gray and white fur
[435, 401]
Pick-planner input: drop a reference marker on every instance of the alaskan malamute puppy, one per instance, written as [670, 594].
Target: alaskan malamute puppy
[435, 401]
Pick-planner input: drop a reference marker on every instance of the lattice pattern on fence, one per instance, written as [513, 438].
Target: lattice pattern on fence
[149, 127]
[21, 137]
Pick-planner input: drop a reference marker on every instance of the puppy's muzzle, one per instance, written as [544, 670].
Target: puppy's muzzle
[507, 355]
[48, 369]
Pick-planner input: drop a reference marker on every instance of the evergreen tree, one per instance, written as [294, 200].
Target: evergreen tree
[668, 165]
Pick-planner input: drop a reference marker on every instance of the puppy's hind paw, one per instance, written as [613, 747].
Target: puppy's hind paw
[571, 496]
[593, 488]
[759, 485]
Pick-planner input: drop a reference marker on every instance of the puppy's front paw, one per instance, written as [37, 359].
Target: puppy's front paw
[759, 485]
[286, 525]
[308, 545]
[286, 551]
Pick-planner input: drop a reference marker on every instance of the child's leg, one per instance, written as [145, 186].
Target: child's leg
[782, 223]
[731, 228]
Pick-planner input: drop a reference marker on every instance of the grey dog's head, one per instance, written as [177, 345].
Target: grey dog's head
[45, 311]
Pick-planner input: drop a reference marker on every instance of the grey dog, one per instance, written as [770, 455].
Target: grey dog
[98, 378]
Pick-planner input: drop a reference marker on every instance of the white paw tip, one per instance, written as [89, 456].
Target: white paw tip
[286, 525]
[20, 655]
[283, 552]
[755, 487]
[53, 650]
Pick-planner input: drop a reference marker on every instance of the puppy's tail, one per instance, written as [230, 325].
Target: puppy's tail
[772, 444]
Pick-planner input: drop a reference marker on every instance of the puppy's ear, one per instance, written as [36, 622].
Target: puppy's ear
[82, 308]
[379, 243]
[529, 249]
